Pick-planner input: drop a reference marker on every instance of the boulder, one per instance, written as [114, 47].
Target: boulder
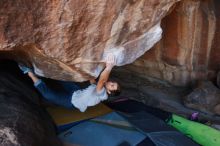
[204, 98]
[23, 120]
[69, 40]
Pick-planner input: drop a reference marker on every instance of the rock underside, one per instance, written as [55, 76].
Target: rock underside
[69, 40]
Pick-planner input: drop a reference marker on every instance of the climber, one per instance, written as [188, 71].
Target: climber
[74, 96]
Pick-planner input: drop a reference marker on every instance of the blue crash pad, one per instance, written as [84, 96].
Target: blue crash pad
[90, 133]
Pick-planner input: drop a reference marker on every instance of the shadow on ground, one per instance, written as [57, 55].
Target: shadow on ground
[158, 94]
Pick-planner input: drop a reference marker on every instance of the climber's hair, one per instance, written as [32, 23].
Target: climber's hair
[116, 92]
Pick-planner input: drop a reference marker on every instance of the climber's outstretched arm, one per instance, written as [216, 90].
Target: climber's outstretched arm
[110, 62]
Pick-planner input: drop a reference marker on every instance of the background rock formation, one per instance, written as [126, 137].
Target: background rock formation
[205, 98]
[68, 40]
[189, 49]
[23, 120]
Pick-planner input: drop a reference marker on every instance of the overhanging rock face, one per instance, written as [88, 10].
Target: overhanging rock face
[69, 39]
